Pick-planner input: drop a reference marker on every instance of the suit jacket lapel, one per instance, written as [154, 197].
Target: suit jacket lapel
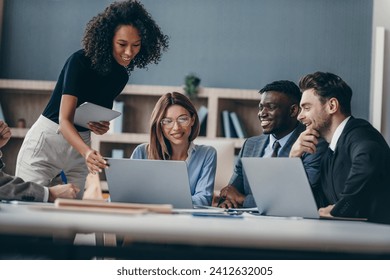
[261, 147]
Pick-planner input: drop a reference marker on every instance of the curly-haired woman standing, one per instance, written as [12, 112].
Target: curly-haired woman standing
[116, 41]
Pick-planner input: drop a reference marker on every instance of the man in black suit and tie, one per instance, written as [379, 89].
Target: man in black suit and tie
[355, 174]
[278, 111]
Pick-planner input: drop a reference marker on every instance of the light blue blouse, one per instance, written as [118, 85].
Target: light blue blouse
[201, 166]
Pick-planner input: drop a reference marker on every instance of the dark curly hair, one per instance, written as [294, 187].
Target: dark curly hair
[100, 31]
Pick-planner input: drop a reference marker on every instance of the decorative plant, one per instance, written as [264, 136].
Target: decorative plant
[191, 85]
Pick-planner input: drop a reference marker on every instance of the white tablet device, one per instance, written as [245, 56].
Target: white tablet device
[89, 112]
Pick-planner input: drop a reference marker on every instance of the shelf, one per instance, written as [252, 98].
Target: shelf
[27, 85]
[27, 99]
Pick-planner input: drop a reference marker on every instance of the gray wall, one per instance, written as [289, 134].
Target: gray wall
[382, 18]
[228, 43]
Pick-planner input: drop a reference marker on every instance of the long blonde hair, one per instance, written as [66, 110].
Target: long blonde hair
[159, 147]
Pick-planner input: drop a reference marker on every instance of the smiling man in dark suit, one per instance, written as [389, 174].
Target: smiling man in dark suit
[355, 177]
[278, 111]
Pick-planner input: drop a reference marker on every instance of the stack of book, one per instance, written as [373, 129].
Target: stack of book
[232, 126]
[109, 207]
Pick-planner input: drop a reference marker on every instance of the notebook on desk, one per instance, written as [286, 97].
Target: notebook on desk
[280, 187]
[149, 181]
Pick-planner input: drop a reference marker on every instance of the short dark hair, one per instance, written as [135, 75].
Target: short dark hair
[326, 86]
[290, 89]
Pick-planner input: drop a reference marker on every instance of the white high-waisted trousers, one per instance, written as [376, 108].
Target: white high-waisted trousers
[45, 152]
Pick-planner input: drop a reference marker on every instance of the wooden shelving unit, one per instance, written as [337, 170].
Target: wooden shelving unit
[27, 99]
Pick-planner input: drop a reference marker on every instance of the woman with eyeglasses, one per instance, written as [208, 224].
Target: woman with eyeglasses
[174, 124]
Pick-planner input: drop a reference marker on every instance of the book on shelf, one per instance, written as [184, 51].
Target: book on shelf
[117, 153]
[238, 126]
[228, 128]
[202, 114]
[116, 125]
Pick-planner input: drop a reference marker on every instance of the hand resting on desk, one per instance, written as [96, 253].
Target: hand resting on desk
[63, 191]
[230, 197]
[325, 211]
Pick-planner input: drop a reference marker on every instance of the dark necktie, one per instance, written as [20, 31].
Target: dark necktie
[330, 153]
[276, 147]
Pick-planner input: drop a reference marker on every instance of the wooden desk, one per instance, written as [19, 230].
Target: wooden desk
[187, 237]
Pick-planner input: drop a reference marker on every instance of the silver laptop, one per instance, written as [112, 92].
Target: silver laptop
[280, 187]
[149, 181]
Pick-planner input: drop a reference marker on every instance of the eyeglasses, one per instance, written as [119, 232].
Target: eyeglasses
[182, 121]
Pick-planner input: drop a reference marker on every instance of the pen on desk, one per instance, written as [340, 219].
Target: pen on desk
[63, 177]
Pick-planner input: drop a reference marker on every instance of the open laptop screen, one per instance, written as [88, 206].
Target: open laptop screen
[149, 181]
[280, 187]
